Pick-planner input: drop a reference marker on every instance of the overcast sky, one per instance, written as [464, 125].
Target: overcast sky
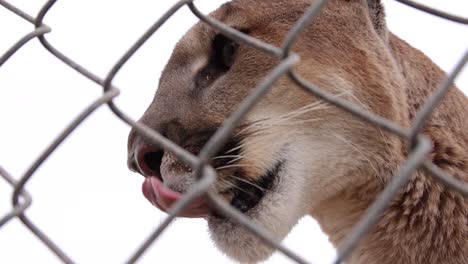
[84, 197]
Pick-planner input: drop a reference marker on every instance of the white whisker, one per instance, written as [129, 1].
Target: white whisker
[227, 157]
[235, 166]
[248, 182]
[349, 143]
[235, 160]
[236, 187]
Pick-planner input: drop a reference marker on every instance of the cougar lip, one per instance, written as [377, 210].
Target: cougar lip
[247, 195]
[164, 198]
[244, 195]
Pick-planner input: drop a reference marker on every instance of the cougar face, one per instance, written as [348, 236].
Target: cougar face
[294, 155]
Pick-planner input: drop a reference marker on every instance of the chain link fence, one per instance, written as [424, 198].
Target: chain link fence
[420, 144]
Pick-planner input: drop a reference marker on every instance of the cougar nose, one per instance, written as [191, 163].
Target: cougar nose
[145, 157]
[147, 160]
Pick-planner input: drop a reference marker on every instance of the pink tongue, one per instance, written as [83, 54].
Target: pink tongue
[164, 198]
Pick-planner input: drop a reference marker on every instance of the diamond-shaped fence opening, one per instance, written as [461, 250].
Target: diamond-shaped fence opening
[421, 145]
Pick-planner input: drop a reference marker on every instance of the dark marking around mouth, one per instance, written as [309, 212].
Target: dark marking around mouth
[247, 195]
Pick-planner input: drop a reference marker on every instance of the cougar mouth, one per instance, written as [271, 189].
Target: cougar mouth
[246, 195]
[242, 193]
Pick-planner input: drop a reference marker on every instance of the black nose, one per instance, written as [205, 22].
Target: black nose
[143, 157]
[147, 160]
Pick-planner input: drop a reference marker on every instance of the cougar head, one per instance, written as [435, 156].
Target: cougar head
[292, 151]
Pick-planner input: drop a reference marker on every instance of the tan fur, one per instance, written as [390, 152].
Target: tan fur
[336, 165]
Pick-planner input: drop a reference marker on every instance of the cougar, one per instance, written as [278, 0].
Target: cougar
[295, 155]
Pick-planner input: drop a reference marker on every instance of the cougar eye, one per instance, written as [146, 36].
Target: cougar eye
[221, 59]
[224, 50]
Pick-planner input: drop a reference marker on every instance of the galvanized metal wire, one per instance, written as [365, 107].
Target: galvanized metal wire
[420, 145]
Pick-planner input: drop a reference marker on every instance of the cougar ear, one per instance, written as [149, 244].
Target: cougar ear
[377, 15]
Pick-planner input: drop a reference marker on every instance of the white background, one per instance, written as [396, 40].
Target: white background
[84, 197]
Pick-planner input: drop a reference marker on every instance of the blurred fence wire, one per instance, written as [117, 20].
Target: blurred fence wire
[420, 145]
